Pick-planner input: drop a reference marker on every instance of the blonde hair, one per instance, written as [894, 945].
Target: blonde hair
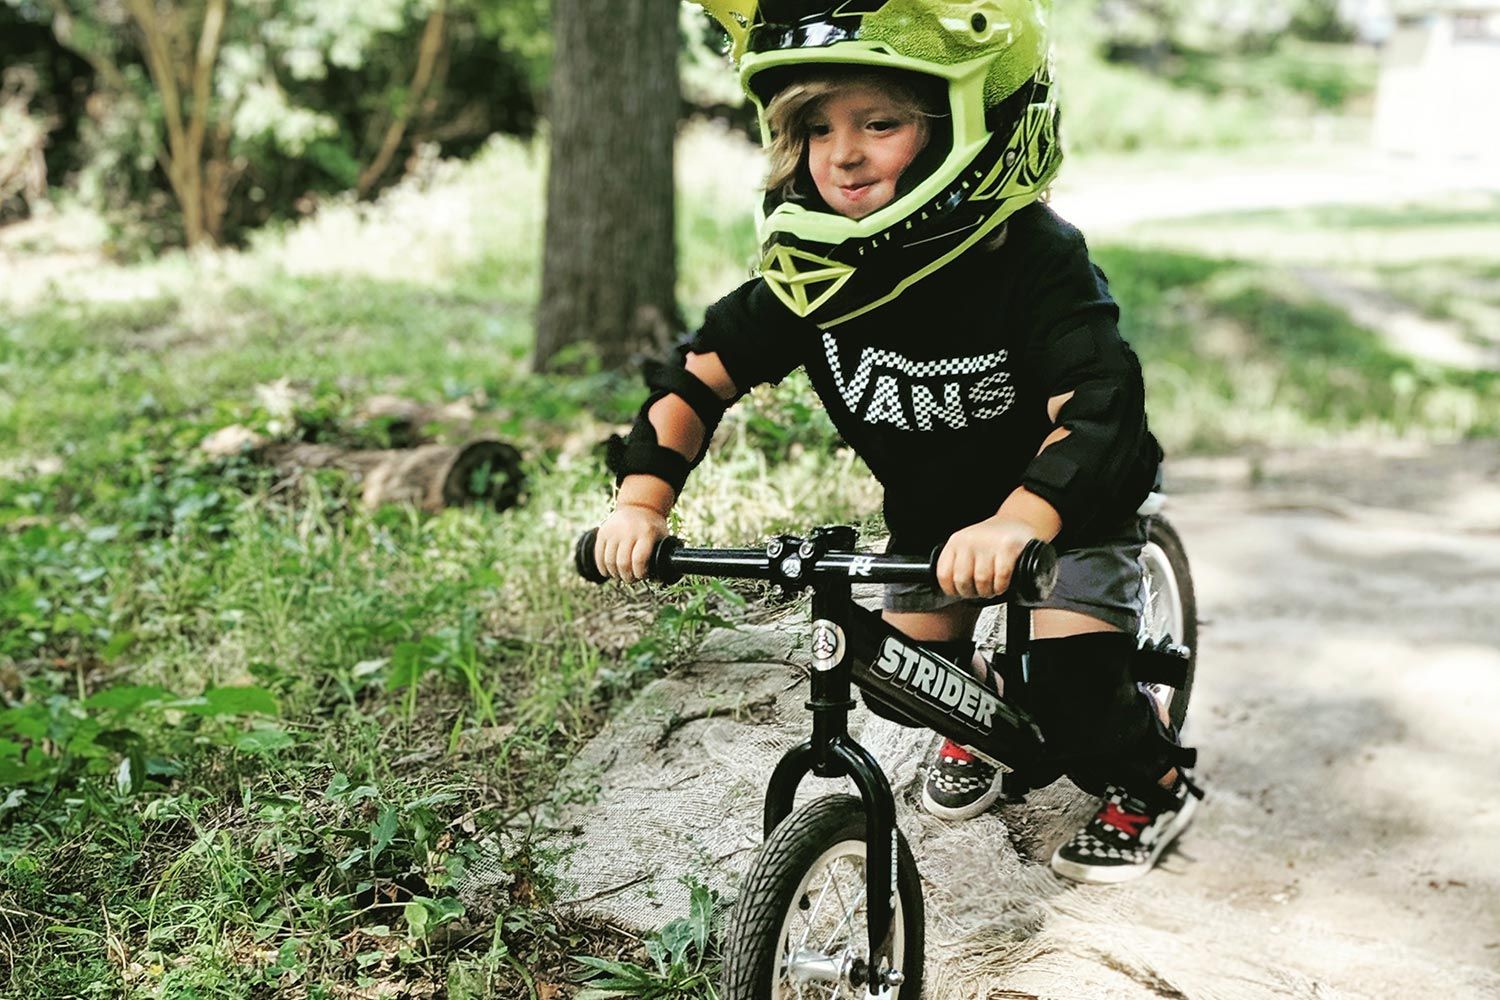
[791, 109]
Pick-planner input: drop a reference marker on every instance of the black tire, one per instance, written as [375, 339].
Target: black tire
[1171, 607]
[776, 893]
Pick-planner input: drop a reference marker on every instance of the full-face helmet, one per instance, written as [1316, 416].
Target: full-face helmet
[992, 150]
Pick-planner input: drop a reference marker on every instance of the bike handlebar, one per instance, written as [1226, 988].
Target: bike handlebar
[795, 563]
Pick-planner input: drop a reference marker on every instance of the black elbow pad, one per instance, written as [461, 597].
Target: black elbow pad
[1081, 473]
[640, 451]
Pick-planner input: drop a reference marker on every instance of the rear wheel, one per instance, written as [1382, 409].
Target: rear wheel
[1169, 608]
[798, 930]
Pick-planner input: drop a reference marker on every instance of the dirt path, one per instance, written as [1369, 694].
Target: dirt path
[1348, 694]
[1347, 707]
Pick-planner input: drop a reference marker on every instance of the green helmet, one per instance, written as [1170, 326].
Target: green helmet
[996, 151]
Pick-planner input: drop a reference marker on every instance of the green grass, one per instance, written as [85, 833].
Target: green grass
[1239, 348]
[1461, 231]
[253, 735]
[1241, 354]
[158, 843]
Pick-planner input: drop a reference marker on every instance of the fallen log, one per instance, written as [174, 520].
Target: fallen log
[430, 477]
[435, 476]
[406, 420]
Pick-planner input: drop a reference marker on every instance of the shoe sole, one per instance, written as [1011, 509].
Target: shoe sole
[1115, 874]
[955, 813]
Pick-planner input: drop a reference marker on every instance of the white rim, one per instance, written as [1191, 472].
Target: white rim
[831, 932]
[1161, 608]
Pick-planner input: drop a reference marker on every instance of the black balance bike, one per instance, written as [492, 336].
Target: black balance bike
[840, 861]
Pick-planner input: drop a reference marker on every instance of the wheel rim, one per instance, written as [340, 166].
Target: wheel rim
[1161, 609]
[825, 930]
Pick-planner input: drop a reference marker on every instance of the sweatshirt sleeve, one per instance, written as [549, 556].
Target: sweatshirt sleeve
[1075, 346]
[753, 333]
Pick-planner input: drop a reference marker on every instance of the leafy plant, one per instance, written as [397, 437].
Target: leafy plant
[692, 609]
[132, 731]
[451, 652]
[682, 962]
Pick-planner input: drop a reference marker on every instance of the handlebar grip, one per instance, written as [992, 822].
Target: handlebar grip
[583, 557]
[661, 559]
[1035, 574]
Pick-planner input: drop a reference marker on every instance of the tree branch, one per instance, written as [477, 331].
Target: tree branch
[431, 47]
[203, 73]
[159, 62]
[62, 30]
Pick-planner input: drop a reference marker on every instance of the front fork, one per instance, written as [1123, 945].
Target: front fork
[832, 754]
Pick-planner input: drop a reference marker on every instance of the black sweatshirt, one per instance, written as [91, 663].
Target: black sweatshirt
[943, 390]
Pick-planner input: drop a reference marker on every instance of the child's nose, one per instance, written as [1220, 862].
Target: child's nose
[848, 150]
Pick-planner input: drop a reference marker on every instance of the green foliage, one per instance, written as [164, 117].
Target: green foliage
[691, 608]
[1330, 77]
[451, 652]
[54, 740]
[303, 94]
[1179, 75]
[1148, 29]
[682, 962]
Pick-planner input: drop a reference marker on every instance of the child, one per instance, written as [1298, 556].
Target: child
[966, 347]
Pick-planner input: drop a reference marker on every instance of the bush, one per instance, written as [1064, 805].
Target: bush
[296, 98]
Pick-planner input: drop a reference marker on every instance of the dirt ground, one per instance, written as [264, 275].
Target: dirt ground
[1347, 711]
[1348, 692]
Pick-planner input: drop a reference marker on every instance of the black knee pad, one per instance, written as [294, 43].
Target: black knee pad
[1100, 726]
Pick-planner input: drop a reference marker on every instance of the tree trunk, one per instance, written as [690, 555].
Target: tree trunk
[182, 154]
[609, 267]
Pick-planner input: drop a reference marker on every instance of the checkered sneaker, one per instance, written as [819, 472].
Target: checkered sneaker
[1125, 837]
[959, 785]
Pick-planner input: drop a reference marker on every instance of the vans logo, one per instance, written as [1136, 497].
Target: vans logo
[942, 682]
[950, 393]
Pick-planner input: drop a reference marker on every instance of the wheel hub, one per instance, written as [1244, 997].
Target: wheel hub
[806, 965]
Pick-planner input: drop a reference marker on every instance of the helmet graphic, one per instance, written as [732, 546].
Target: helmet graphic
[995, 150]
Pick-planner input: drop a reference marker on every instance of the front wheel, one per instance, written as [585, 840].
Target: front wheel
[798, 929]
[1169, 608]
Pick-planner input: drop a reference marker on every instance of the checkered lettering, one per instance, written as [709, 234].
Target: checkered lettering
[886, 387]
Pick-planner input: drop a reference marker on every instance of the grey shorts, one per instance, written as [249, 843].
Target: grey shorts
[1101, 580]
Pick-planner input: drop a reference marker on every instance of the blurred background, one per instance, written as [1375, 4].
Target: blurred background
[263, 711]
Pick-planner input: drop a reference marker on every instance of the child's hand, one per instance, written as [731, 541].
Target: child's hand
[977, 561]
[626, 540]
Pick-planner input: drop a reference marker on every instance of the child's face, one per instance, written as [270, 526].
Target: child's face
[859, 142]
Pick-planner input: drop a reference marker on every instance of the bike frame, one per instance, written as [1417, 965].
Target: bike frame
[831, 752]
[853, 646]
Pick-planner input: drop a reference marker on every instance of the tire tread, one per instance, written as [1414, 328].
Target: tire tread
[754, 921]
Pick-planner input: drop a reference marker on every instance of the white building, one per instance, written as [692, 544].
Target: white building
[1439, 92]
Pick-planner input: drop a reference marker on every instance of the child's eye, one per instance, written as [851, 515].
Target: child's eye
[818, 129]
[884, 125]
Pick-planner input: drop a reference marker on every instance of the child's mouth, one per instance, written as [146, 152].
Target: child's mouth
[856, 190]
